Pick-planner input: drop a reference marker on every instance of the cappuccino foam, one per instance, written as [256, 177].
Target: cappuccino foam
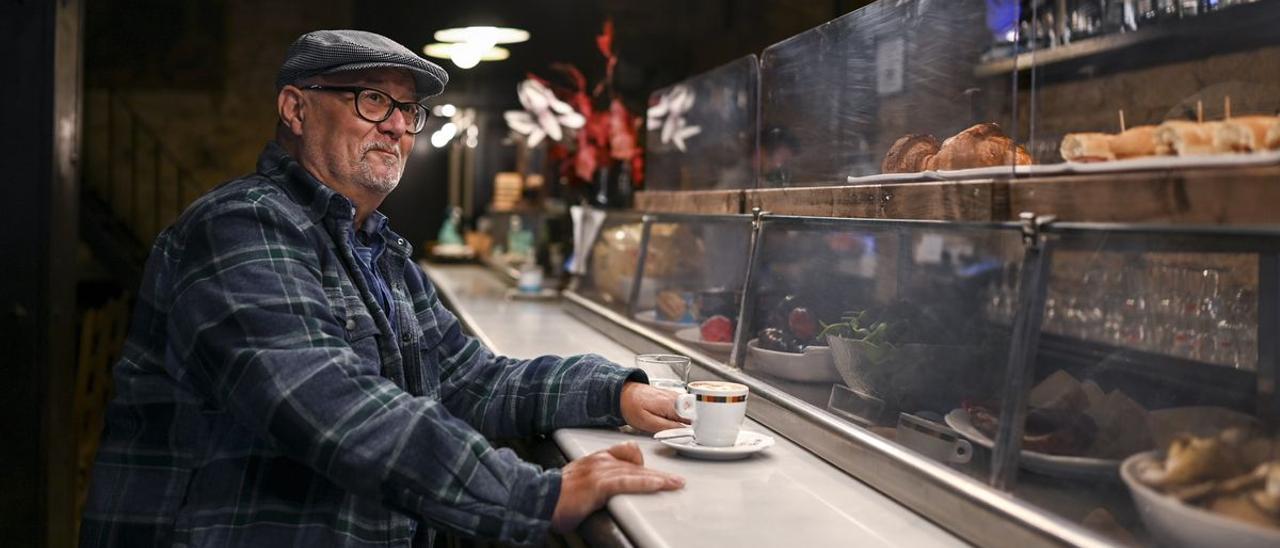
[717, 386]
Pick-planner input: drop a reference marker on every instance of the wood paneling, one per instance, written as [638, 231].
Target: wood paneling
[1218, 196]
[690, 201]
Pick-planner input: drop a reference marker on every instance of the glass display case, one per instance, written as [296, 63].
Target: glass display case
[701, 132]
[1056, 363]
[609, 268]
[889, 92]
[691, 278]
[508, 240]
[1155, 345]
[1024, 383]
[877, 321]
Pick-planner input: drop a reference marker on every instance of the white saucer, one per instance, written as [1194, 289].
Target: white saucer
[681, 439]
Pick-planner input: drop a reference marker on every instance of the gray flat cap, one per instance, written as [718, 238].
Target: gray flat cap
[330, 51]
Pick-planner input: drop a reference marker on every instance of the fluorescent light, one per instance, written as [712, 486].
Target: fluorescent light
[483, 35]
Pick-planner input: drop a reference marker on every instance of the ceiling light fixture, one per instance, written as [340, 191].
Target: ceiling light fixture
[491, 35]
[468, 46]
[466, 55]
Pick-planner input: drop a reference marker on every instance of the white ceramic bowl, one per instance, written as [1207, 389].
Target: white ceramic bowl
[815, 364]
[1173, 523]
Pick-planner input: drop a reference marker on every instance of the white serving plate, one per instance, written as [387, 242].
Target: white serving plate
[1060, 466]
[650, 317]
[814, 365]
[1173, 523]
[693, 335]
[1145, 163]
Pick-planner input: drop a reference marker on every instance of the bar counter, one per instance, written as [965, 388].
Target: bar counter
[782, 496]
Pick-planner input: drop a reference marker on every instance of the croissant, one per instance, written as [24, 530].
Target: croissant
[983, 145]
[908, 153]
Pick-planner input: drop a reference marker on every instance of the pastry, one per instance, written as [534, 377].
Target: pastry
[672, 306]
[1086, 147]
[1273, 138]
[1219, 474]
[908, 154]
[1049, 431]
[1134, 142]
[1243, 134]
[983, 145]
[1185, 138]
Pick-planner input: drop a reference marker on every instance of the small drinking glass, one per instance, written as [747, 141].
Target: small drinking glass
[657, 364]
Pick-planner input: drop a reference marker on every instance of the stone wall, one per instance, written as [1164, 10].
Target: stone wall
[1151, 95]
[215, 131]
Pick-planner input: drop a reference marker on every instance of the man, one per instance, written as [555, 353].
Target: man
[291, 379]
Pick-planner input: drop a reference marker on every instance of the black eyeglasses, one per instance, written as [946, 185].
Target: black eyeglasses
[376, 106]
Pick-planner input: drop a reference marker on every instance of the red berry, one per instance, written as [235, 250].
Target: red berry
[802, 324]
[717, 329]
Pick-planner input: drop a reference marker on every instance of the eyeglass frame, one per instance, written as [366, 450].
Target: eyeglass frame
[395, 105]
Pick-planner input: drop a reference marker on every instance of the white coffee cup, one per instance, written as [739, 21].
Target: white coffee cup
[716, 409]
[932, 440]
[671, 385]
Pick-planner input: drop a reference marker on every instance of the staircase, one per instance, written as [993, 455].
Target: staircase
[133, 186]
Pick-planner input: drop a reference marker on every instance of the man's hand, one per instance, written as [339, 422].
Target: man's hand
[587, 483]
[650, 409]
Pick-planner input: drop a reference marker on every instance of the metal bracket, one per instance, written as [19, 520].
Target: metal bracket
[646, 226]
[737, 357]
[1032, 226]
[1023, 346]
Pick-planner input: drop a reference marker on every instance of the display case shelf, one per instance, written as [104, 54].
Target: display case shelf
[1233, 29]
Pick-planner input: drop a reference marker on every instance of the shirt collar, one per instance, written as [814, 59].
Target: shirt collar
[318, 199]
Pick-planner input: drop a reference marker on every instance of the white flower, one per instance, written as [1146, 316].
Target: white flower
[543, 115]
[668, 114]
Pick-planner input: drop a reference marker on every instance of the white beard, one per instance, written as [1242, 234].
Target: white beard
[363, 174]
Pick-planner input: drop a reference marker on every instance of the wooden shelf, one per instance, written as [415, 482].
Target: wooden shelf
[1231, 29]
[1241, 195]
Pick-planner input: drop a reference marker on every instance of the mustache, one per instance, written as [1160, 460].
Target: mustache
[384, 147]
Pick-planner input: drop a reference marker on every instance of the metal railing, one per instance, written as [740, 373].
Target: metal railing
[131, 169]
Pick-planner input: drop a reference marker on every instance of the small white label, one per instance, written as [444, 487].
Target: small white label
[929, 251]
[890, 62]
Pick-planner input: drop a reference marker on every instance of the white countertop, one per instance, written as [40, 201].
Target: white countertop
[784, 496]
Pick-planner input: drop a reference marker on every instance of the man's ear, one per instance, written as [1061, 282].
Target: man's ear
[290, 107]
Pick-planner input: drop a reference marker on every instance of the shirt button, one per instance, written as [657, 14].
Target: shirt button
[351, 324]
[404, 338]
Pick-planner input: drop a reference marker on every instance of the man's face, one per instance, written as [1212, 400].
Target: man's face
[352, 150]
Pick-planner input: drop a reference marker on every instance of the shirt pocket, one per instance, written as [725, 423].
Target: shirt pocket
[358, 328]
[429, 331]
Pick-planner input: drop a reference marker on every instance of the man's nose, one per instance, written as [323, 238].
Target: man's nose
[395, 125]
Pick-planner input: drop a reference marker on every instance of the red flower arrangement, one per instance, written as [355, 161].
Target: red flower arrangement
[609, 134]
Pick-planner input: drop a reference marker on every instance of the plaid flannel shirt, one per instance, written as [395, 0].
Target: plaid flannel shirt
[260, 400]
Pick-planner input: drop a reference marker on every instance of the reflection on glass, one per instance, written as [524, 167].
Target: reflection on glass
[1142, 351]
[888, 89]
[702, 131]
[611, 266]
[883, 326]
[691, 286]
